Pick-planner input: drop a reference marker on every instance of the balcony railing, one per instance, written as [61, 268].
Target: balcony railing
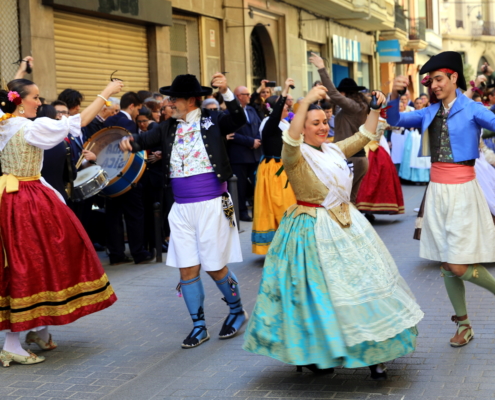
[487, 29]
[400, 18]
[417, 29]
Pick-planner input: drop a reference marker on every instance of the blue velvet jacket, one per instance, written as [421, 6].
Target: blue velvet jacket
[465, 121]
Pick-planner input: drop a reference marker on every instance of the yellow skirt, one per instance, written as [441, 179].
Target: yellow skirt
[271, 199]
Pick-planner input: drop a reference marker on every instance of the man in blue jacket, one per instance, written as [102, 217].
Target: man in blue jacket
[457, 228]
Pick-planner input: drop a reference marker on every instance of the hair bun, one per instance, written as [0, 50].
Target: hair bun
[6, 105]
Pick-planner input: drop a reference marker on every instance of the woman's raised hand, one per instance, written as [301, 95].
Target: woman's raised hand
[112, 88]
[288, 83]
[315, 94]
[380, 97]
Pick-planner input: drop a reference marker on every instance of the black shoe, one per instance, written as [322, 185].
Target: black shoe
[378, 376]
[315, 370]
[148, 258]
[164, 248]
[120, 260]
[245, 217]
[370, 217]
[98, 247]
[198, 335]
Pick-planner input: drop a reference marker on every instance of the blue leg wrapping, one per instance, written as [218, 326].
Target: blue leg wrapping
[194, 296]
[230, 289]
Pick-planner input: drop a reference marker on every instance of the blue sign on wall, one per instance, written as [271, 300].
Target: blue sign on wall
[389, 51]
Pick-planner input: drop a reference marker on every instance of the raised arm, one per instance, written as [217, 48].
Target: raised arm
[367, 132]
[348, 105]
[90, 112]
[271, 125]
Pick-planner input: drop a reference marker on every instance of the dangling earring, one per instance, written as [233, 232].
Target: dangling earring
[21, 109]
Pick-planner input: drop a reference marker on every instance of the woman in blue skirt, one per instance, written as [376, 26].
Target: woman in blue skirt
[331, 294]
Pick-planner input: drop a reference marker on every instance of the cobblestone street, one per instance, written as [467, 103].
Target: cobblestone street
[132, 350]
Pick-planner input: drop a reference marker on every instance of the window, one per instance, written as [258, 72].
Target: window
[184, 47]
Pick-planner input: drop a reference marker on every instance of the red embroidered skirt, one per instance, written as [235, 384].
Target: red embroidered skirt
[380, 191]
[54, 276]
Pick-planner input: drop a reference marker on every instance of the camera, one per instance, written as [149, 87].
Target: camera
[271, 84]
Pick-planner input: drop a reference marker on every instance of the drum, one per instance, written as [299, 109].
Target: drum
[90, 181]
[122, 172]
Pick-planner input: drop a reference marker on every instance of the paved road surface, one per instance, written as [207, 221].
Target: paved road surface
[132, 350]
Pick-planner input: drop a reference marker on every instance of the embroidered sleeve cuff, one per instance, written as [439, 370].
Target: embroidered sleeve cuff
[291, 142]
[228, 95]
[368, 134]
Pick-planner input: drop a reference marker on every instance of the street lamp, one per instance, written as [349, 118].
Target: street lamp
[479, 17]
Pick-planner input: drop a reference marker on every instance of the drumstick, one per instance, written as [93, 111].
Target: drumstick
[79, 162]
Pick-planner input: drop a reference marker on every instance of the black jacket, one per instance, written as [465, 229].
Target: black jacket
[240, 148]
[272, 134]
[163, 135]
[120, 119]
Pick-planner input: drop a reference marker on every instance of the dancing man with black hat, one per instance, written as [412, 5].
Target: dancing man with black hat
[457, 228]
[196, 168]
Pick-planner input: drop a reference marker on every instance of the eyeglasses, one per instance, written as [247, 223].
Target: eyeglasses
[244, 94]
[62, 112]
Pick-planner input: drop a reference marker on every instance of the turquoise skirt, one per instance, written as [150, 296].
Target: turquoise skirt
[294, 320]
[405, 170]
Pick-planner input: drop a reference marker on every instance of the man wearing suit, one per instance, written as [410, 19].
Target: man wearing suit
[196, 166]
[245, 151]
[130, 204]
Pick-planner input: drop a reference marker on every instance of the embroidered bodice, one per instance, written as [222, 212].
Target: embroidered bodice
[22, 142]
[306, 185]
[20, 158]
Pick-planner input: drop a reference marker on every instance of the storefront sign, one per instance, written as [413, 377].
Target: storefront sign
[346, 49]
[407, 57]
[389, 51]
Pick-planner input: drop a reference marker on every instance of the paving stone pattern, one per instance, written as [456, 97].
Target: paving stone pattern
[132, 350]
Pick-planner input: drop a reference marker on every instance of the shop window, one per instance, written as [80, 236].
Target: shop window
[363, 72]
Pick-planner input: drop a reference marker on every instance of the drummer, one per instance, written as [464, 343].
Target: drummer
[130, 204]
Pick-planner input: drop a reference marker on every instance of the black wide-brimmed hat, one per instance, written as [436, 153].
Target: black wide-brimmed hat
[185, 86]
[349, 85]
[447, 59]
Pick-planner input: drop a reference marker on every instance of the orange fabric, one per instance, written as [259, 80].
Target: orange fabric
[451, 173]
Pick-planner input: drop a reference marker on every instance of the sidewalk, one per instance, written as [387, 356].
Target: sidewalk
[132, 350]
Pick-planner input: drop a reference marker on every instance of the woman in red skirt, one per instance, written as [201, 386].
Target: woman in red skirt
[49, 271]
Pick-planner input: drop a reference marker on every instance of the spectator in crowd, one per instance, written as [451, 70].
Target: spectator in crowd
[158, 97]
[130, 204]
[409, 101]
[328, 109]
[98, 123]
[143, 119]
[61, 109]
[154, 106]
[419, 104]
[210, 104]
[477, 97]
[73, 99]
[289, 102]
[245, 152]
[426, 99]
[143, 95]
[152, 182]
[258, 98]
[166, 112]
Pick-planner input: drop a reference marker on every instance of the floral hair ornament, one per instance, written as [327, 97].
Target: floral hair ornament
[426, 81]
[269, 108]
[14, 97]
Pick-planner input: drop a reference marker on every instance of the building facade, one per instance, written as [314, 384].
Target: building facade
[149, 42]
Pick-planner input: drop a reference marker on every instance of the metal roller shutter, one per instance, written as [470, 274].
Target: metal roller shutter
[88, 50]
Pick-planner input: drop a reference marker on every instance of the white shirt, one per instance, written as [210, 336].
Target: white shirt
[127, 114]
[449, 106]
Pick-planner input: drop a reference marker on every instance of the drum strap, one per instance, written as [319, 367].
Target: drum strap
[10, 183]
[68, 159]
